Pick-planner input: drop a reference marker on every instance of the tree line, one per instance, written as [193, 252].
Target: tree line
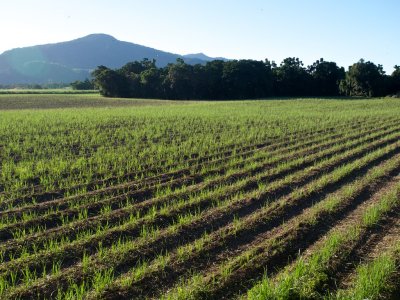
[34, 86]
[245, 79]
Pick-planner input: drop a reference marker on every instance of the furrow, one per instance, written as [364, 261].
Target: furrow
[302, 178]
[180, 172]
[373, 159]
[234, 276]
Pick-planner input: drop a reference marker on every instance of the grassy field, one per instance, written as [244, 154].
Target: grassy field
[133, 199]
[48, 101]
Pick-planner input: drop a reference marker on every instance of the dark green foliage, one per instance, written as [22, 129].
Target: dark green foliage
[395, 81]
[237, 79]
[111, 83]
[292, 79]
[326, 77]
[247, 79]
[364, 79]
[82, 85]
[179, 80]
[244, 79]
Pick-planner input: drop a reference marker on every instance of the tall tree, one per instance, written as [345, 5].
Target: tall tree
[326, 77]
[179, 80]
[150, 80]
[292, 79]
[110, 82]
[246, 79]
[364, 79]
[395, 81]
[212, 80]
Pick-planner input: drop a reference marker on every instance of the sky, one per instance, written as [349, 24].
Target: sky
[337, 30]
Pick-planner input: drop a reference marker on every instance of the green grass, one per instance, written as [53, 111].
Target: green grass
[375, 279]
[103, 195]
[307, 276]
[78, 99]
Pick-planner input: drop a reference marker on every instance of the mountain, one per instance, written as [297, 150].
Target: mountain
[203, 57]
[74, 60]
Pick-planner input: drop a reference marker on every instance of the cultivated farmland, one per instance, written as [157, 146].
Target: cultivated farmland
[129, 199]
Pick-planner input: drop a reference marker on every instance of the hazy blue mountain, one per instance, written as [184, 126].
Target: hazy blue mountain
[74, 60]
[202, 56]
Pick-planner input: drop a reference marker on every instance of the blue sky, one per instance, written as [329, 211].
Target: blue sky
[340, 30]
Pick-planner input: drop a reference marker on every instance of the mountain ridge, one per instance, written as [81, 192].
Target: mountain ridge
[67, 61]
[204, 57]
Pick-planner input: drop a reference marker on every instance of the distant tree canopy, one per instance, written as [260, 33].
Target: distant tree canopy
[34, 86]
[244, 79]
[364, 79]
[82, 85]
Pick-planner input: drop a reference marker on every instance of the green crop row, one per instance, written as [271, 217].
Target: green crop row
[195, 200]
